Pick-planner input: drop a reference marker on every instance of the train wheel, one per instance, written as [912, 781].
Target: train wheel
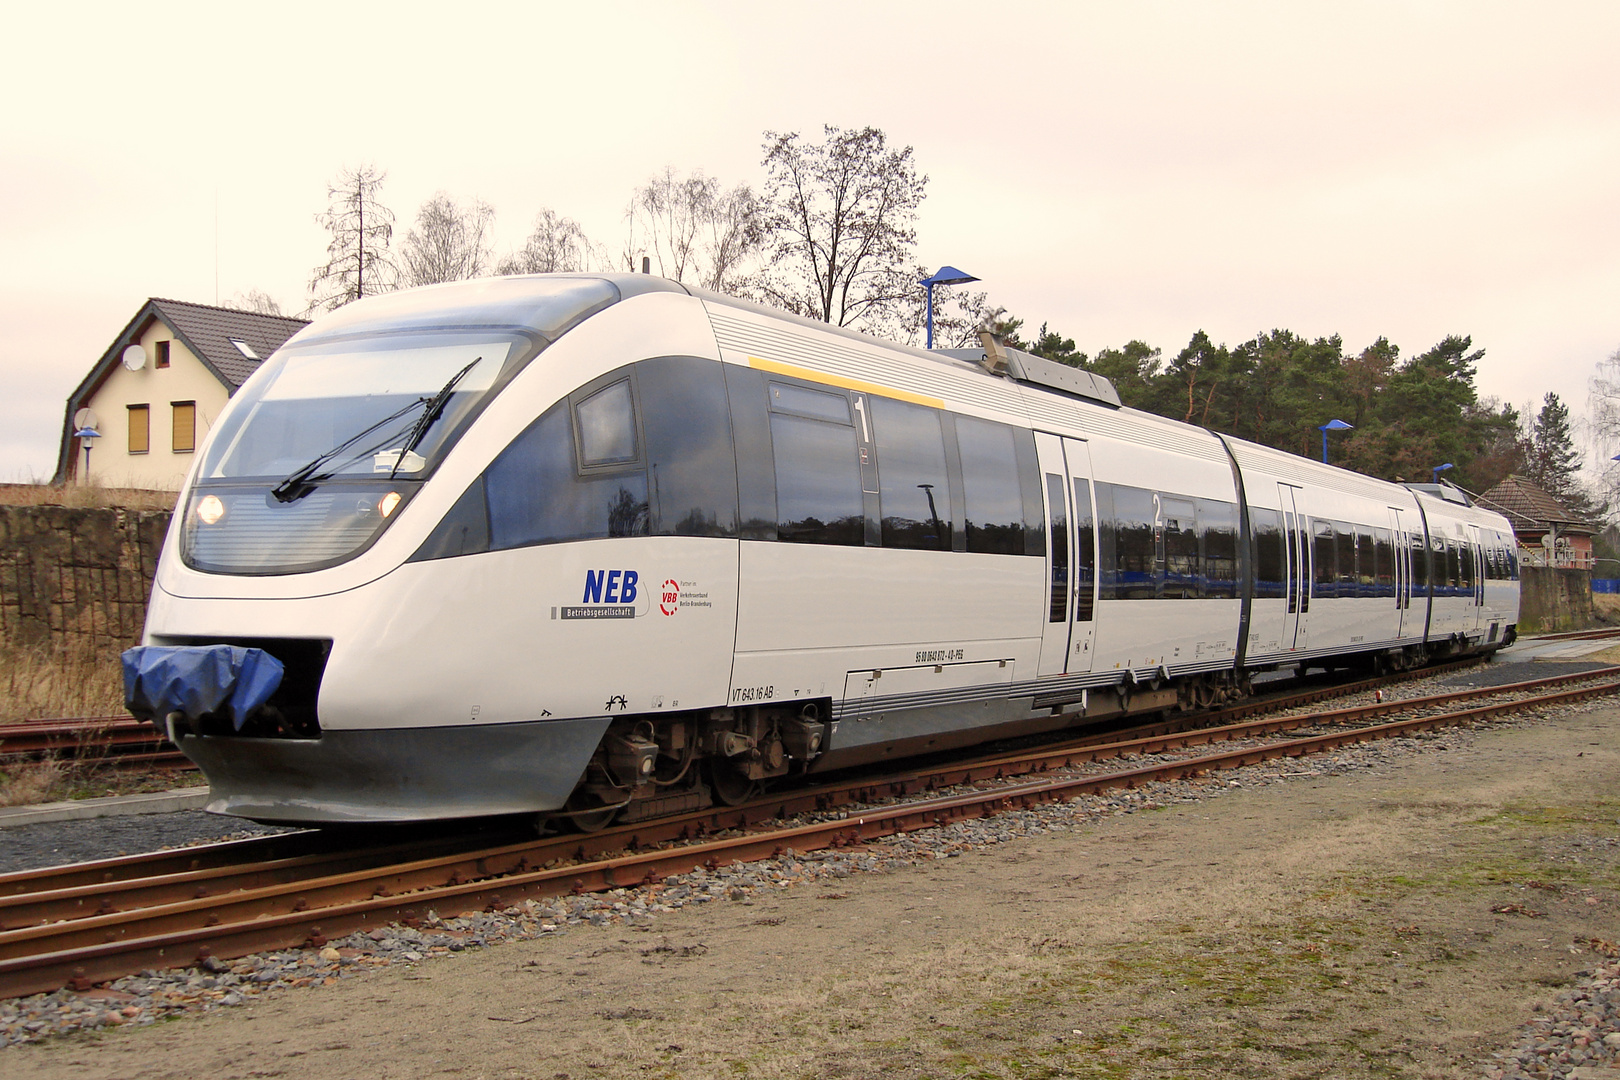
[585, 813]
[729, 786]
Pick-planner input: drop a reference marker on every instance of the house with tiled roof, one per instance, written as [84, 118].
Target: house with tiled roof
[1549, 533]
[157, 390]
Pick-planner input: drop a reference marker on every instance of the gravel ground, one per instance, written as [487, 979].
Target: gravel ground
[1580, 1029]
[53, 843]
[1502, 673]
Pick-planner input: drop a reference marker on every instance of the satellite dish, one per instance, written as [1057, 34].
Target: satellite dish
[134, 358]
[85, 418]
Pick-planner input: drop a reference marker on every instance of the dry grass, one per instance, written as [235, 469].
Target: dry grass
[62, 682]
[84, 496]
[31, 782]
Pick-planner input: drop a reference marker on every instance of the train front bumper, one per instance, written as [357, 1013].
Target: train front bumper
[398, 774]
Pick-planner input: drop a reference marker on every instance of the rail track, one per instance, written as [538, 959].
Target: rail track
[119, 741]
[80, 925]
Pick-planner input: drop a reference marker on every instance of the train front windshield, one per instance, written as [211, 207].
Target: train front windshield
[354, 406]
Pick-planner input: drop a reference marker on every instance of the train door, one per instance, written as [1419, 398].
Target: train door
[1071, 560]
[1403, 572]
[1474, 559]
[1297, 552]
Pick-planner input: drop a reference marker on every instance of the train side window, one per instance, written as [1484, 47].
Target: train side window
[994, 510]
[607, 426]
[1366, 562]
[1465, 565]
[537, 495]
[1270, 554]
[1323, 559]
[1107, 549]
[912, 485]
[1178, 523]
[1384, 543]
[1085, 556]
[754, 461]
[818, 482]
[1134, 554]
[815, 404]
[1029, 482]
[1218, 533]
[691, 462]
[1420, 565]
[1059, 606]
[1344, 541]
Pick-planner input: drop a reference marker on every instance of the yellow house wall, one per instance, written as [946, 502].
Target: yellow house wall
[161, 468]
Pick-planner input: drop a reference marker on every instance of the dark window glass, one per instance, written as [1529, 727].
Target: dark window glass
[691, 464]
[912, 483]
[1465, 558]
[818, 482]
[1453, 568]
[995, 508]
[1178, 531]
[1384, 542]
[1085, 556]
[1029, 482]
[607, 426]
[1513, 562]
[1366, 562]
[1107, 547]
[1302, 549]
[1344, 541]
[1270, 555]
[1059, 606]
[536, 495]
[1134, 548]
[1218, 530]
[816, 404]
[756, 471]
[1419, 554]
[1294, 552]
[1323, 559]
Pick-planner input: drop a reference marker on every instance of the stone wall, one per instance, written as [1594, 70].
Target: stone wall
[76, 578]
[1552, 599]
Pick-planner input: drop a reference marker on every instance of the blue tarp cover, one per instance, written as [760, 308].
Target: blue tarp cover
[196, 680]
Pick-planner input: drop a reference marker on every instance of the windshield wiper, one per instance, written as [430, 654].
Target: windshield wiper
[303, 480]
[435, 406]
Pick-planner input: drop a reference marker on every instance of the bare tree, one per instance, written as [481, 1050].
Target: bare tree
[694, 230]
[449, 242]
[357, 259]
[556, 246]
[841, 227]
[257, 301]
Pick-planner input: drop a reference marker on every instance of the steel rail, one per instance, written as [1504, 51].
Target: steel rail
[283, 917]
[36, 897]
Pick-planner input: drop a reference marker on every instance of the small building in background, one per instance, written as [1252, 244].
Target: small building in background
[1549, 534]
[158, 389]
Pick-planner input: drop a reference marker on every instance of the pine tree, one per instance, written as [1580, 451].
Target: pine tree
[1551, 456]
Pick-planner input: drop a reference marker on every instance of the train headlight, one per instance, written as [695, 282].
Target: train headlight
[210, 509]
[387, 503]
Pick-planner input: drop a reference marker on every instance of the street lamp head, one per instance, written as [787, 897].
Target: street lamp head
[948, 275]
[87, 433]
[1438, 469]
[1337, 425]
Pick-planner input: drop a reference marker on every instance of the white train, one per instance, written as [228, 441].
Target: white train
[598, 545]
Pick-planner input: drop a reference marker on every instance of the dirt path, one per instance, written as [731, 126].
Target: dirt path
[1337, 926]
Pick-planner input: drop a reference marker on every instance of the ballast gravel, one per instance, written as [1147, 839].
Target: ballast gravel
[1577, 1037]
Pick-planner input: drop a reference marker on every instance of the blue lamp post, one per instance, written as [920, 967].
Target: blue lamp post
[86, 435]
[947, 275]
[1438, 469]
[1332, 425]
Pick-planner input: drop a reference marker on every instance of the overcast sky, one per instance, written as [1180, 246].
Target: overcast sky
[1116, 170]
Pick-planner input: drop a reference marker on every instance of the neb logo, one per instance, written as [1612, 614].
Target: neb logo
[610, 587]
